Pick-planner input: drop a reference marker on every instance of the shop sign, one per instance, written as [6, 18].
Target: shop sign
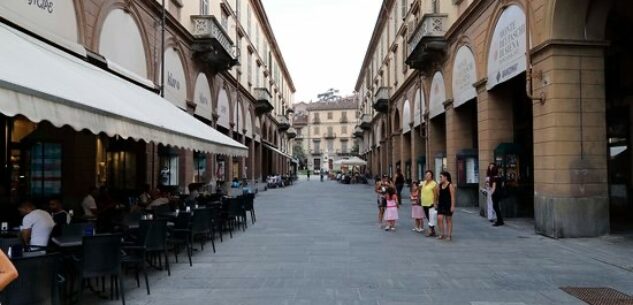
[507, 54]
[438, 95]
[175, 88]
[202, 97]
[464, 76]
[223, 109]
[54, 19]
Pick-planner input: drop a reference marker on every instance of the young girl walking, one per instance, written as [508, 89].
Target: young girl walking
[391, 211]
[416, 208]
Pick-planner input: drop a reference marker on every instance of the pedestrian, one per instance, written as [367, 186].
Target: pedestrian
[416, 208]
[308, 173]
[399, 182]
[446, 206]
[7, 271]
[489, 190]
[495, 186]
[391, 209]
[380, 192]
[322, 173]
[428, 198]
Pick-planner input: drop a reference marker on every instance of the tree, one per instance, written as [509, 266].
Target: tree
[329, 95]
[299, 154]
[355, 149]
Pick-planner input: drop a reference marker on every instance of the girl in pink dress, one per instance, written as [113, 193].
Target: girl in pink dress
[391, 211]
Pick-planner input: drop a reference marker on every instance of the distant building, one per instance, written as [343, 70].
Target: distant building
[325, 130]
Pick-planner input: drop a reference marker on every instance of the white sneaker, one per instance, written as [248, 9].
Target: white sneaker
[415, 230]
[387, 228]
[392, 228]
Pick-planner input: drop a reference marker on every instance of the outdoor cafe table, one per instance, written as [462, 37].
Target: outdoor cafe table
[69, 241]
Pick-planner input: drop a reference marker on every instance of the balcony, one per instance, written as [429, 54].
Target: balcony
[344, 120]
[329, 135]
[365, 121]
[381, 103]
[283, 124]
[316, 120]
[358, 132]
[291, 133]
[212, 45]
[262, 101]
[315, 152]
[427, 43]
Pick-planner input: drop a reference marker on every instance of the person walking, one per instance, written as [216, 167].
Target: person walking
[322, 173]
[399, 181]
[489, 190]
[391, 210]
[495, 186]
[416, 208]
[446, 206]
[380, 191]
[308, 173]
[428, 198]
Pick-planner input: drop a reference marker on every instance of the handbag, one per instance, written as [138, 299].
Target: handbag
[432, 217]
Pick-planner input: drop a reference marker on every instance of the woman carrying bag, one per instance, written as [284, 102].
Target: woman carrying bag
[428, 196]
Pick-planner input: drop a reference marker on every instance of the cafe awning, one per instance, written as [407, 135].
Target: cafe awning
[278, 151]
[44, 83]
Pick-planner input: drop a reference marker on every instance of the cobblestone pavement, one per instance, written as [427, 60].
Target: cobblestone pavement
[319, 243]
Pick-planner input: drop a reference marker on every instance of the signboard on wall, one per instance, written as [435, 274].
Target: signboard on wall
[464, 76]
[437, 96]
[119, 29]
[54, 19]
[406, 117]
[418, 109]
[202, 97]
[175, 81]
[223, 109]
[507, 54]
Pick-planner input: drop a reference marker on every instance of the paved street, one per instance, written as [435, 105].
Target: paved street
[318, 243]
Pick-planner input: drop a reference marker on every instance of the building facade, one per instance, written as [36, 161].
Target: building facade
[219, 63]
[325, 130]
[537, 87]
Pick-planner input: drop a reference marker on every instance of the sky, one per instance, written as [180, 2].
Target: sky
[323, 42]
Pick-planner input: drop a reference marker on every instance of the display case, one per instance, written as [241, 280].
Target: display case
[508, 160]
[440, 165]
[468, 168]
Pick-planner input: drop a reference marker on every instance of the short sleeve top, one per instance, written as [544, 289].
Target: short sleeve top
[427, 193]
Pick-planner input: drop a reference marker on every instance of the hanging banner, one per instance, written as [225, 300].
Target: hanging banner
[507, 54]
[438, 95]
[223, 109]
[175, 82]
[464, 76]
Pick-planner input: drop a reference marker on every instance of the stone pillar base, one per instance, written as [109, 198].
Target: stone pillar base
[571, 217]
[467, 197]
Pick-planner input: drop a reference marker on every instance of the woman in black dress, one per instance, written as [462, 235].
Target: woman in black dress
[445, 206]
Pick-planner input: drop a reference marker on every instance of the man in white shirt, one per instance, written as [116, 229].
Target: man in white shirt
[37, 225]
[89, 204]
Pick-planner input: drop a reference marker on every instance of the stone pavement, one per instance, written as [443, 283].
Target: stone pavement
[319, 243]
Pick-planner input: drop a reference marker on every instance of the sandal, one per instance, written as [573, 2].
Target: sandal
[441, 237]
[449, 238]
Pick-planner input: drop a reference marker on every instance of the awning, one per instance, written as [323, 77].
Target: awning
[277, 151]
[43, 83]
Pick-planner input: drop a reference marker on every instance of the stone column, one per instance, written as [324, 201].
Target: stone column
[570, 147]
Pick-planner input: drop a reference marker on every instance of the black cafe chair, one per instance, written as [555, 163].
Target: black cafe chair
[249, 205]
[153, 235]
[201, 226]
[39, 281]
[101, 257]
[180, 235]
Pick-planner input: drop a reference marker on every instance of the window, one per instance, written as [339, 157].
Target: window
[329, 115]
[121, 170]
[249, 68]
[248, 20]
[199, 167]
[204, 7]
[403, 6]
[316, 131]
[357, 113]
[329, 131]
[344, 147]
[316, 116]
[344, 129]
[46, 169]
[169, 169]
[330, 145]
[317, 147]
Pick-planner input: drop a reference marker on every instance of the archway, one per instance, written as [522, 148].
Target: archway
[618, 64]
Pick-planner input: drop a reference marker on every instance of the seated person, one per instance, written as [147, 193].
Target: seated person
[37, 225]
[145, 197]
[89, 203]
[159, 198]
[60, 216]
[193, 191]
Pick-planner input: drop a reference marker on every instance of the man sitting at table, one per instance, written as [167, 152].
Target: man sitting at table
[160, 198]
[37, 225]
